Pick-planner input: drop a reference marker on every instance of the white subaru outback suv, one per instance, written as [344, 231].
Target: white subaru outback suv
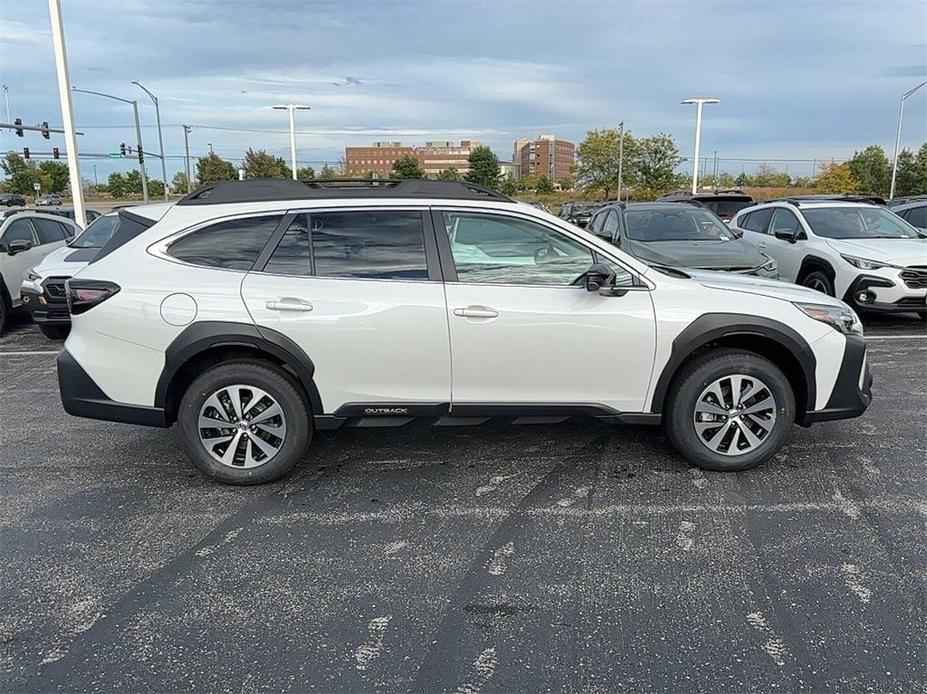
[857, 251]
[254, 313]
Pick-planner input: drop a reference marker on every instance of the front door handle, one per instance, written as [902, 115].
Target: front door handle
[476, 312]
[289, 304]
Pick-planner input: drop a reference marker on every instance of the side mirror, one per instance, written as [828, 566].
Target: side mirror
[789, 235]
[18, 246]
[601, 279]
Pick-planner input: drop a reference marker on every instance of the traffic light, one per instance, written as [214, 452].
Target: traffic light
[141, 156]
[55, 153]
[45, 130]
[19, 131]
[122, 149]
[25, 152]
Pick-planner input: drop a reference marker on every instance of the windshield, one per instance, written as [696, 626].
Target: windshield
[97, 232]
[858, 223]
[683, 224]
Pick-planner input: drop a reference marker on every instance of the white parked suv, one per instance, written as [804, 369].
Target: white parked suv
[856, 251]
[25, 239]
[253, 313]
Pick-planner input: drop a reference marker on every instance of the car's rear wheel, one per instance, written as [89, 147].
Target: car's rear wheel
[244, 423]
[55, 332]
[819, 281]
[730, 410]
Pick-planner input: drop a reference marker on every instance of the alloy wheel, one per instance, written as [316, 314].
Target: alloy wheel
[241, 426]
[817, 285]
[735, 414]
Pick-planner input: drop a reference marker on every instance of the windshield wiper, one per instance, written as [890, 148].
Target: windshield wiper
[671, 271]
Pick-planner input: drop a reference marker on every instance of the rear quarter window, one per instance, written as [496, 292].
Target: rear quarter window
[233, 245]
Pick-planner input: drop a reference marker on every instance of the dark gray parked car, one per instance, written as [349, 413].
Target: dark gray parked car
[914, 213]
[679, 235]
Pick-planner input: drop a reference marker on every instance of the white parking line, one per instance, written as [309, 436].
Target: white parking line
[24, 354]
[896, 337]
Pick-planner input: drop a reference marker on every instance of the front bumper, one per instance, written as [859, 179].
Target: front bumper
[82, 397]
[46, 301]
[852, 391]
[889, 295]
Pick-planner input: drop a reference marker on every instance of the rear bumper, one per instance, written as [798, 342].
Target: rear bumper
[82, 397]
[852, 391]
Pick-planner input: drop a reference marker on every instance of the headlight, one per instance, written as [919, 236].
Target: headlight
[864, 264]
[31, 275]
[841, 318]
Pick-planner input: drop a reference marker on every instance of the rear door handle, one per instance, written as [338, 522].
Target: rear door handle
[476, 312]
[289, 304]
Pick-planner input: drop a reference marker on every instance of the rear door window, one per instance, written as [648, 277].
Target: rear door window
[233, 245]
[758, 221]
[369, 244]
[48, 231]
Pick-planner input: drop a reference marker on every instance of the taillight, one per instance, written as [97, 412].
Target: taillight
[83, 295]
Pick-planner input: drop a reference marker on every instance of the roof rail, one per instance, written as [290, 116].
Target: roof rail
[261, 190]
[842, 197]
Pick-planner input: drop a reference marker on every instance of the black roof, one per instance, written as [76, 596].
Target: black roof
[261, 190]
[717, 193]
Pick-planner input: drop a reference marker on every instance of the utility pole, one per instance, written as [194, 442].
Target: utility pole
[186, 147]
[67, 110]
[291, 108]
[160, 138]
[209, 144]
[814, 170]
[6, 97]
[620, 156]
[95, 181]
[904, 97]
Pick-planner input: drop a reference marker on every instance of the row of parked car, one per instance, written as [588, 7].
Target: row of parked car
[871, 255]
[39, 251]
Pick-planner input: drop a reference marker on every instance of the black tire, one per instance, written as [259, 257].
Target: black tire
[55, 332]
[695, 377]
[4, 309]
[818, 279]
[278, 386]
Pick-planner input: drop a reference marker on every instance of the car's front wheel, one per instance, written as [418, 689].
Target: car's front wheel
[819, 281]
[244, 422]
[730, 410]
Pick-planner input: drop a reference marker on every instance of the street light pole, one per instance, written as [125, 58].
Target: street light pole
[620, 157]
[904, 96]
[138, 131]
[160, 138]
[67, 110]
[290, 108]
[186, 147]
[699, 102]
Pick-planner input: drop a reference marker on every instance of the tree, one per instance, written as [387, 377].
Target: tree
[260, 164]
[213, 168]
[484, 167]
[407, 166]
[116, 185]
[906, 176]
[836, 178]
[770, 177]
[155, 188]
[545, 186]
[179, 183]
[328, 172]
[872, 170]
[449, 175]
[22, 174]
[597, 159]
[56, 173]
[134, 182]
[566, 183]
[305, 173]
[652, 162]
[508, 187]
[527, 182]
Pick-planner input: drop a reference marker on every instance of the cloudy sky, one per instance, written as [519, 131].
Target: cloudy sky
[796, 79]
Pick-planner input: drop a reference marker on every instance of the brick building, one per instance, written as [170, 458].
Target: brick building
[546, 156]
[433, 157]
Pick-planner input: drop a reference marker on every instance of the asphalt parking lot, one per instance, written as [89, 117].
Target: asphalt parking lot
[579, 557]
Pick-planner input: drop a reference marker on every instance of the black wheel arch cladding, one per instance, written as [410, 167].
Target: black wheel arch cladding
[711, 327]
[201, 338]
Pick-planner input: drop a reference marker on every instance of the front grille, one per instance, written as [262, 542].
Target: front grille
[55, 290]
[915, 277]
